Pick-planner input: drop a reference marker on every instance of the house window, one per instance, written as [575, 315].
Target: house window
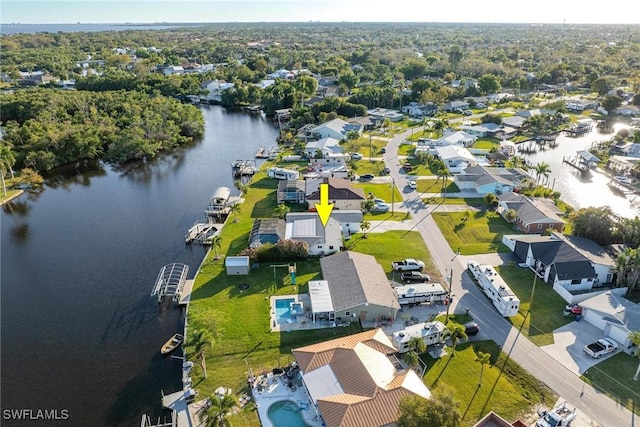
[346, 313]
[330, 248]
[319, 246]
[540, 226]
[576, 281]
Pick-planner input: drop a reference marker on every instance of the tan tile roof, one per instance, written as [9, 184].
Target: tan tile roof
[371, 388]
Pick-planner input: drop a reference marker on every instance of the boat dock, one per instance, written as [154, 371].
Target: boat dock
[201, 233]
[244, 168]
[576, 163]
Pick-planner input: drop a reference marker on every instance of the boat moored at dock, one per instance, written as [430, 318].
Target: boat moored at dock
[172, 343]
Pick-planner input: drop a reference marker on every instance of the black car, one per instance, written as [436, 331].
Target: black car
[471, 328]
[366, 177]
[415, 276]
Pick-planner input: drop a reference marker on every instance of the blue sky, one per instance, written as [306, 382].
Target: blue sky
[118, 11]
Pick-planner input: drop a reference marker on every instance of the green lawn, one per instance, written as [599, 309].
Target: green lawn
[470, 201]
[481, 233]
[506, 388]
[486, 143]
[386, 216]
[406, 150]
[435, 186]
[614, 377]
[393, 246]
[381, 191]
[546, 309]
[374, 167]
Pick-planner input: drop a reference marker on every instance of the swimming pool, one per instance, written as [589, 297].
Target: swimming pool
[286, 413]
[283, 308]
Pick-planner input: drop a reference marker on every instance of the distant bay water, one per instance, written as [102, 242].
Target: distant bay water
[15, 28]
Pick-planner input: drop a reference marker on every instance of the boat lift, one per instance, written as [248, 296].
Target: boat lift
[170, 281]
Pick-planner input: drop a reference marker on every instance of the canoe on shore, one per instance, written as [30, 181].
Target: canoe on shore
[173, 343]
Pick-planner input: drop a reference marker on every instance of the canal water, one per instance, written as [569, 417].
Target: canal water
[578, 189]
[80, 332]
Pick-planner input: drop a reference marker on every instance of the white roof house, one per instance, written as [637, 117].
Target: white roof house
[455, 158]
[327, 146]
[336, 128]
[461, 138]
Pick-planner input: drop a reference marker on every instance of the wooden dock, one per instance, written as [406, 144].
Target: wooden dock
[576, 163]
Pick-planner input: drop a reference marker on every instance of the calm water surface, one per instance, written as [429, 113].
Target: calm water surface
[79, 330]
[577, 189]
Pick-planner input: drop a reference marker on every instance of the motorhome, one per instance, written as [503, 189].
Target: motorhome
[417, 293]
[430, 332]
[280, 173]
[494, 286]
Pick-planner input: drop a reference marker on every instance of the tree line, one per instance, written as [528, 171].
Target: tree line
[45, 129]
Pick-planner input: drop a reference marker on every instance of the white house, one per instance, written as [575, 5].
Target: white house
[486, 180]
[614, 315]
[173, 69]
[380, 114]
[327, 146]
[463, 139]
[307, 226]
[336, 128]
[215, 89]
[455, 158]
[415, 109]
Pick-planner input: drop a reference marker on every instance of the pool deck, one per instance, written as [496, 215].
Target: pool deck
[299, 322]
[275, 390]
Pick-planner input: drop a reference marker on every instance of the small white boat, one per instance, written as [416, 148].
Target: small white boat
[173, 343]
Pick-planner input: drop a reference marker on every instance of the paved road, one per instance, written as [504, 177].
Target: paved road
[565, 383]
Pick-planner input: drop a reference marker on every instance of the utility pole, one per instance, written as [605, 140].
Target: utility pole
[393, 193]
[446, 320]
[370, 149]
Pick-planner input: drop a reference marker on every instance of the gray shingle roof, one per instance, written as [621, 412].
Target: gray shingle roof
[355, 279]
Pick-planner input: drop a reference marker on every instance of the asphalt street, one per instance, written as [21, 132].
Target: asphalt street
[467, 296]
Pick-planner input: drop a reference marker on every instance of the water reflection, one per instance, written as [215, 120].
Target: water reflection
[579, 189]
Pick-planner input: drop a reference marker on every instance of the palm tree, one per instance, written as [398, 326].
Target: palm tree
[281, 210]
[511, 215]
[364, 226]
[218, 410]
[216, 243]
[201, 341]
[439, 126]
[483, 358]
[234, 209]
[456, 333]
[417, 344]
[412, 359]
[635, 339]
[542, 169]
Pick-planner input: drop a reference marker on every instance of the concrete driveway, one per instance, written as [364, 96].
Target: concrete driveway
[569, 341]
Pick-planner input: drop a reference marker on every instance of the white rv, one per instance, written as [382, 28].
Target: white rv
[494, 286]
[417, 293]
[430, 332]
[280, 173]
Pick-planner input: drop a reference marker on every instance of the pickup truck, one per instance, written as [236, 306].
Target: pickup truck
[415, 276]
[600, 348]
[408, 265]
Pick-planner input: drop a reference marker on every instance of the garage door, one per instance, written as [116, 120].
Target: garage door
[617, 334]
[594, 318]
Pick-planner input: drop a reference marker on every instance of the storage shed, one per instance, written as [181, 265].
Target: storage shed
[237, 265]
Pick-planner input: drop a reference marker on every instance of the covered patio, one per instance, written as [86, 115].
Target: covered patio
[321, 304]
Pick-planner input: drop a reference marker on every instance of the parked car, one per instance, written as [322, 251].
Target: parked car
[386, 171]
[383, 150]
[481, 105]
[356, 156]
[407, 167]
[412, 184]
[467, 112]
[381, 207]
[415, 277]
[471, 328]
[366, 177]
